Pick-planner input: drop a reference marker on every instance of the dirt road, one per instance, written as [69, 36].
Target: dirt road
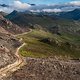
[23, 33]
[13, 67]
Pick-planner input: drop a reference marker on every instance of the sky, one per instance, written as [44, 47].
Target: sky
[45, 1]
[37, 1]
[41, 5]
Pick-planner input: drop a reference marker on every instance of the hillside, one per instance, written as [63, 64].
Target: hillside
[48, 57]
[60, 33]
[39, 39]
[8, 45]
[7, 26]
[30, 20]
[45, 44]
[3, 13]
[52, 46]
[47, 69]
[74, 15]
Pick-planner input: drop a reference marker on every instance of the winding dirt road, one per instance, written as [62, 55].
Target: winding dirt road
[23, 33]
[14, 66]
[19, 62]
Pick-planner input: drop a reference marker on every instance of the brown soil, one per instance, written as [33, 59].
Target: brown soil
[47, 69]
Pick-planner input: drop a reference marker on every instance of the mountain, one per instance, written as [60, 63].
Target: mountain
[8, 45]
[32, 4]
[12, 15]
[74, 15]
[71, 15]
[7, 26]
[41, 20]
[4, 5]
[3, 13]
[50, 45]
[20, 18]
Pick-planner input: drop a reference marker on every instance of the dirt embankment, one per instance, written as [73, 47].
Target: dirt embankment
[47, 69]
[8, 46]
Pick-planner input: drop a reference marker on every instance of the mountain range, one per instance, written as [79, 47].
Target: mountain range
[47, 21]
[53, 35]
[72, 15]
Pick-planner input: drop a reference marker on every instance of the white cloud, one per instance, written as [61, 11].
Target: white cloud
[20, 6]
[47, 10]
[35, 10]
[52, 10]
[15, 5]
[57, 7]
[5, 9]
[76, 3]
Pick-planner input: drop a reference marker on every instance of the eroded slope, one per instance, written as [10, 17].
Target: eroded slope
[8, 45]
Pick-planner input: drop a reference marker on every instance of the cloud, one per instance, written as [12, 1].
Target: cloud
[57, 7]
[6, 9]
[52, 10]
[20, 6]
[35, 10]
[15, 5]
[47, 10]
[76, 3]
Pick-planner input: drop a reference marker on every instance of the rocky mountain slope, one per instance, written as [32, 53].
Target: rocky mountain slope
[47, 69]
[8, 45]
[7, 26]
[39, 21]
[50, 36]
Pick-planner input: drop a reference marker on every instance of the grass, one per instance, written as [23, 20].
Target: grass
[35, 48]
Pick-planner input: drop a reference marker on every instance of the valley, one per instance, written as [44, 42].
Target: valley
[41, 62]
[40, 45]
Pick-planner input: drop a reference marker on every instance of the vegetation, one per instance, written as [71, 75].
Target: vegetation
[58, 45]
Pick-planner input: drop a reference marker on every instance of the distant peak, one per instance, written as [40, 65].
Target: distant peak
[4, 5]
[15, 11]
[32, 4]
[76, 9]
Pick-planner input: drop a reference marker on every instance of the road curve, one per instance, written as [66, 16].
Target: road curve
[15, 65]
[12, 67]
[23, 33]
